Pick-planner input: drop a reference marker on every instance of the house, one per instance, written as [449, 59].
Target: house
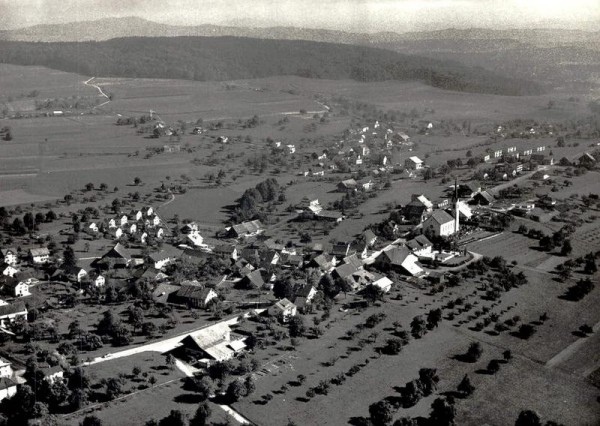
[420, 198]
[152, 221]
[194, 238]
[118, 256]
[468, 190]
[136, 215]
[253, 279]
[381, 281]
[10, 271]
[66, 273]
[245, 229]
[10, 256]
[163, 257]
[398, 259]
[347, 185]
[365, 184]
[369, 237]
[8, 388]
[148, 211]
[213, 343]
[91, 228]
[402, 137]
[292, 261]
[283, 310]
[15, 287]
[96, 279]
[52, 374]
[439, 224]
[309, 206]
[163, 293]
[483, 198]
[123, 220]
[39, 255]
[132, 228]
[291, 149]
[330, 216]
[5, 368]
[414, 212]
[112, 223]
[196, 295]
[587, 160]
[413, 163]
[115, 233]
[12, 312]
[304, 296]
[323, 262]
[420, 246]
[226, 251]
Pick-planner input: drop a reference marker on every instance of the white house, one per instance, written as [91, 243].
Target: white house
[283, 310]
[97, 279]
[162, 258]
[10, 256]
[413, 163]
[39, 255]
[123, 220]
[10, 271]
[439, 224]
[9, 313]
[5, 368]
[8, 388]
[420, 246]
[382, 282]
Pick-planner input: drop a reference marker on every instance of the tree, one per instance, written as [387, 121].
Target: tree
[507, 355]
[284, 288]
[433, 318]
[137, 181]
[428, 379]
[393, 346]
[382, 413]
[566, 248]
[89, 186]
[136, 317]
[465, 386]
[493, 366]
[297, 326]
[442, 412]
[250, 385]
[175, 418]
[528, 418]
[418, 327]
[114, 388]
[474, 352]
[373, 293]
[202, 415]
[170, 360]
[236, 390]
[69, 259]
[91, 421]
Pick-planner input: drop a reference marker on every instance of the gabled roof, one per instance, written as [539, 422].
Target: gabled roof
[283, 305]
[419, 242]
[255, 277]
[42, 251]
[353, 260]
[345, 270]
[348, 182]
[210, 336]
[441, 217]
[369, 235]
[119, 251]
[416, 160]
[397, 255]
[14, 308]
[7, 250]
[305, 290]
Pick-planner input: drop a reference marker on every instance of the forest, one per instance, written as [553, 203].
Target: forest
[232, 58]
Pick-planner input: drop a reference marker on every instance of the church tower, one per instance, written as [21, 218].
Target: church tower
[456, 205]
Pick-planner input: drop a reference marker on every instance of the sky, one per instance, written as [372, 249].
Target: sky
[347, 15]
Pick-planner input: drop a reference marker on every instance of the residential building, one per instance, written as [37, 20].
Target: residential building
[283, 310]
[439, 224]
[39, 255]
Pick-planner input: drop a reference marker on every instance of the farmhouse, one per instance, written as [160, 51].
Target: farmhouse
[304, 296]
[245, 229]
[587, 160]
[118, 256]
[413, 163]
[213, 343]
[8, 388]
[542, 216]
[369, 237]
[163, 257]
[195, 295]
[226, 251]
[253, 279]
[9, 313]
[10, 256]
[420, 246]
[381, 281]
[439, 224]
[10, 271]
[483, 198]
[330, 216]
[399, 259]
[283, 310]
[15, 286]
[414, 212]
[347, 185]
[39, 255]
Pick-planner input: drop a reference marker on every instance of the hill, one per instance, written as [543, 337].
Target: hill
[232, 58]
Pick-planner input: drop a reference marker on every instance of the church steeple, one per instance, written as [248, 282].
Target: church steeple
[456, 202]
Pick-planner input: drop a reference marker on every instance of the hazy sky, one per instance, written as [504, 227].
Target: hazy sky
[350, 15]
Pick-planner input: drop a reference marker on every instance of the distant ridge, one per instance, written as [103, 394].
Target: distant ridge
[232, 58]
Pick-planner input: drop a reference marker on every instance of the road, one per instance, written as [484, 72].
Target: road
[89, 83]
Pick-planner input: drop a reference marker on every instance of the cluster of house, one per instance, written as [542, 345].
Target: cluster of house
[138, 225]
[11, 376]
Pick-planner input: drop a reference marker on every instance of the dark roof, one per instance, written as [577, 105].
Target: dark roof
[12, 309]
[255, 277]
[396, 255]
[118, 251]
[419, 242]
[441, 217]
[414, 209]
[5, 383]
[345, 270]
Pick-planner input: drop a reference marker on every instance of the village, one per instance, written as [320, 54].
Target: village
[122, 279]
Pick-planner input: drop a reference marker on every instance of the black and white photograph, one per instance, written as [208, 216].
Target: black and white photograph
[299, 213]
